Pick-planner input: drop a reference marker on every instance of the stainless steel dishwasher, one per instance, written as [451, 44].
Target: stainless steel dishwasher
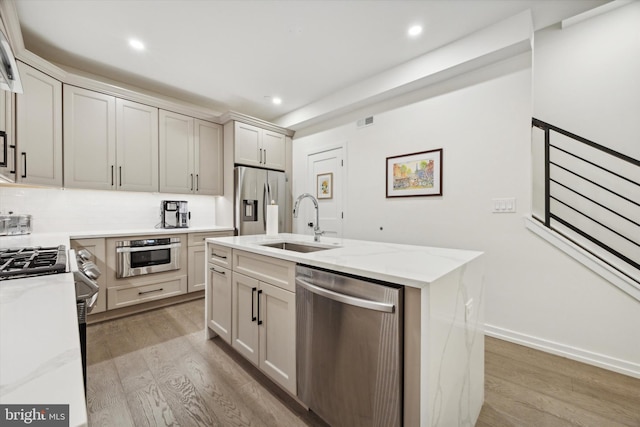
[349, 341]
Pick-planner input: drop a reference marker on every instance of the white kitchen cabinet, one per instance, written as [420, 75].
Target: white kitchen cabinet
[109, 143]
[190, 155]
[263, 327]
[39, 128]
[259, 147]
[260, 312]
[97, 248]
[219, 311]
[197, 258]
[208, 162]
[7, 139]
[263, 315]
[136, 146]
[244, 319]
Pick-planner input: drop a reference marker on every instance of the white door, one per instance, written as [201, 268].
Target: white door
[326, 182]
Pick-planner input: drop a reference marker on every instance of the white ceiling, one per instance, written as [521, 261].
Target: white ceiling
[233, 55]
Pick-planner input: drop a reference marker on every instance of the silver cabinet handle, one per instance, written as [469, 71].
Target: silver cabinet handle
[120, 174]
[112, 175]
[197, 182]
[127, 249]
[191, 182]
[346, 299]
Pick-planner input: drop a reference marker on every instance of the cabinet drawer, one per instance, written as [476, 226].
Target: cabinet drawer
[219, 255]
[271, 270]
[122, 296]
[199, 238]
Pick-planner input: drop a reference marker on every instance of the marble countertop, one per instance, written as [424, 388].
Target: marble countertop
[40, 360]
[409, 265]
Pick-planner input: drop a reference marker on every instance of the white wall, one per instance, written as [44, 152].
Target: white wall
[535, 293]
[586, 78]
[71, 210]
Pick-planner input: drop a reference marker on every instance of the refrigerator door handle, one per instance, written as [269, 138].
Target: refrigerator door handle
[265, 194]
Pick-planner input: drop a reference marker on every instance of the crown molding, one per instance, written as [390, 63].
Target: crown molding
[239, 117]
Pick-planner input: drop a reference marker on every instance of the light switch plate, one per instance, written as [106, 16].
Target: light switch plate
[504, 205]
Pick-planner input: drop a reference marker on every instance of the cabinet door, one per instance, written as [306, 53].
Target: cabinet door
[219, 301]
[39, 128]
[247, 144]
[97, 247]
[196, 275]
[7, 142]
[277, 335]
[244, 325]
[89, 139]
[208, 158]
[273, 150]
[176, 153]
[137, 146]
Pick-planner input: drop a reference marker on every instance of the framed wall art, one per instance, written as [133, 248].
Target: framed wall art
[324, 186]
[415, 174]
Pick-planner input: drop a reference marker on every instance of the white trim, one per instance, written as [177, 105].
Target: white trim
[624, 367]
[599, 267]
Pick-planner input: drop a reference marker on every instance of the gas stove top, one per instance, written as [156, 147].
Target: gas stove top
[17, 263]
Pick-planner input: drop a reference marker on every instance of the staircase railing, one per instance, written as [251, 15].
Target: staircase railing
[592, 197]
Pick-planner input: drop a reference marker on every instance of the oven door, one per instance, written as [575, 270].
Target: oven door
[139, 257]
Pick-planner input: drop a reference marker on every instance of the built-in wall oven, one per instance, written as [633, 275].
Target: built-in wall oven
[146, 256]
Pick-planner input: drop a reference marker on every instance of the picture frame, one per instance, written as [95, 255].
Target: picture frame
[415, 174]
[324, 186]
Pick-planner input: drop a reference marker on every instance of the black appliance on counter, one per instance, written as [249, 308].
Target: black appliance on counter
[18, 263]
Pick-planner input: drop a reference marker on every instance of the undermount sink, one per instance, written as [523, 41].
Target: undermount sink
[297, 247]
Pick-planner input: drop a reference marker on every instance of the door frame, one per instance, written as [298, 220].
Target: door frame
[343, 184]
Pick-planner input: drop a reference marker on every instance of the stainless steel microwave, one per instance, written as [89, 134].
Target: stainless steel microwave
[147, 256]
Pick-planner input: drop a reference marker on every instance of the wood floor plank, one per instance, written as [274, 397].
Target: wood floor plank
[536, 408]
[560, 387]
[115, 415]
[149, 407]
[105, 392]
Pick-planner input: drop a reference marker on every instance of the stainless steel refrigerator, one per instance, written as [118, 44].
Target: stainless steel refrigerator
[254, 190]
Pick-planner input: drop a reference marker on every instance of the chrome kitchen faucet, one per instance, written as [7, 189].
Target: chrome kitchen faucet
[316, 227]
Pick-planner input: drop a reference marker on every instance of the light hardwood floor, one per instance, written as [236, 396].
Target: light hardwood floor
[156, 369]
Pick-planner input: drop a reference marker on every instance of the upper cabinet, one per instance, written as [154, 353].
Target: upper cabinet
[39, 129]
[110, 143]
[191, 160]
[7, 141]
[259, 147]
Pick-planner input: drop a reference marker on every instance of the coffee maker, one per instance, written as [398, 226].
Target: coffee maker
[174, 214]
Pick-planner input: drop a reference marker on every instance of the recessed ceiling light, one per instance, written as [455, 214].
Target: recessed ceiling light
[415, 31]
[276, 100]
[136, 44]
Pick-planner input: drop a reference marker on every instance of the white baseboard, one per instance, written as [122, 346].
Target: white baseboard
[600, 360]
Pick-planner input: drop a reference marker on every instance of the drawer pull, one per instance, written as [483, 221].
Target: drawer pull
[218, 256]
[216, 271]
[148, 292]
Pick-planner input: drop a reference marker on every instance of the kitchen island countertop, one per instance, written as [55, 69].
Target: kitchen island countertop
[408, 265]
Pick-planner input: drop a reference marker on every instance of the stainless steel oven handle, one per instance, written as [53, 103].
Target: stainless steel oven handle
[346, 299]
[147, 248]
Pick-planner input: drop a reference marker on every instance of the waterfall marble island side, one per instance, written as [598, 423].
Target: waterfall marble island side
[443, 312]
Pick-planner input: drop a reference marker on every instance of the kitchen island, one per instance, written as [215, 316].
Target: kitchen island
[443, 313]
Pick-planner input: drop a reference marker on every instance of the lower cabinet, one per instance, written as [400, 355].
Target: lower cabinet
[219, 309]
[263, 327]
[254, 310]
[197, 258]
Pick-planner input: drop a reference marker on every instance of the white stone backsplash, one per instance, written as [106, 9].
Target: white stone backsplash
[70, 210]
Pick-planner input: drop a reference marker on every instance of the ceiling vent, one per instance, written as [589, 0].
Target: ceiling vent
[367, 121]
